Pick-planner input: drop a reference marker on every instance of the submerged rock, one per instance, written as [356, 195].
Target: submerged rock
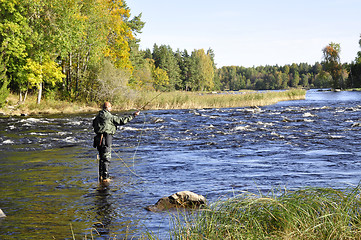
[183, 199]
[2, 214]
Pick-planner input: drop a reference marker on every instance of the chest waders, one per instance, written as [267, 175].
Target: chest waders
[105, 124]
[105, 150]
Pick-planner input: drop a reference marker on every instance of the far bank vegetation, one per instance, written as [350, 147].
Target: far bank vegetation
[90, 53]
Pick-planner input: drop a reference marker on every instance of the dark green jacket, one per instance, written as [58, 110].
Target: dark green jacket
[105, 122]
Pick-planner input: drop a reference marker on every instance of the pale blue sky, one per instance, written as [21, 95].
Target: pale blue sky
[253, 32]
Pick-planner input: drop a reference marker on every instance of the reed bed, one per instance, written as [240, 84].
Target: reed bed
[312, 213]
[194, 100]
[154, 100]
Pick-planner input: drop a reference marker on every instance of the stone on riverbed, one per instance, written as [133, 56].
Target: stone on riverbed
[2, 214]
[184, 199]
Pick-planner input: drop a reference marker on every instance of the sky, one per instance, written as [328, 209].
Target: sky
[252, 32]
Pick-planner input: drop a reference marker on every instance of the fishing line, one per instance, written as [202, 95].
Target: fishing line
[133, 172]
[139, 140]
[142, 129]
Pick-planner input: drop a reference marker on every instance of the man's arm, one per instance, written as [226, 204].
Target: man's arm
[124, 119]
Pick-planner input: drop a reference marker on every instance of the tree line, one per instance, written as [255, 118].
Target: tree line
[197, 72]
[88, 50]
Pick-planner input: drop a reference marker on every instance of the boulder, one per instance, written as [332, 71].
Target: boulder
[2, 214]
[184, 199]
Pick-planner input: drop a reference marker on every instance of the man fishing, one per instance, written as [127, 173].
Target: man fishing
[105, 125]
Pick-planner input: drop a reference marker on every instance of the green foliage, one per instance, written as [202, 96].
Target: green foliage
[355, 75]
[112, 84]
[185, 72]
[15, 34]
[323, 80]
[164, 58]
[4, 91]
[268, 77]
[37, 73]
[203, 71]
[160, 78]
[75, 34]
[355, 71]
[33, 73]
[142, 78]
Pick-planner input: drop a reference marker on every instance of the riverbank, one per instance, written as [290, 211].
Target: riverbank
[153, 101]
[312, 213]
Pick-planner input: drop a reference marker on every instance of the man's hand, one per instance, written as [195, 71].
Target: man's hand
[136, 113]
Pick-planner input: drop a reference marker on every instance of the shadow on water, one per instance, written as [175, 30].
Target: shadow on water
[48, 169]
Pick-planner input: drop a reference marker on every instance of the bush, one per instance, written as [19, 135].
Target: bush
[113, 84]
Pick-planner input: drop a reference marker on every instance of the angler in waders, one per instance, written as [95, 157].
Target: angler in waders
[105, 125]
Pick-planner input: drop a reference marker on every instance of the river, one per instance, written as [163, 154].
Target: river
[48, 173]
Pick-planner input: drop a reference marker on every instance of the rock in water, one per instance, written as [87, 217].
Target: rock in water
[2, 214]
[184, 199]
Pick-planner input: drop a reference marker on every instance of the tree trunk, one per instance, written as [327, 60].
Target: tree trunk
[68, 82]
[63, 67]
[40, 92]
[77, 76]
[25, 95]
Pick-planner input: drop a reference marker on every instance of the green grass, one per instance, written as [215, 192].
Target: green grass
[312, 213]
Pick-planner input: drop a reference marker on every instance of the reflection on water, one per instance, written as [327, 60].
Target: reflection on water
[103, 210]
[48, 167]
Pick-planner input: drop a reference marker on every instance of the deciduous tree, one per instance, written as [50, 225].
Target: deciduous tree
[15, 34]
[204, 70]
[120, 33]
[331, 63]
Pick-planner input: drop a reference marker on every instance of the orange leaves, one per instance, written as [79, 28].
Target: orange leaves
[331, 52]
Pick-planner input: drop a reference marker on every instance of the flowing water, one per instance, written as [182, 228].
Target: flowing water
[48, 173]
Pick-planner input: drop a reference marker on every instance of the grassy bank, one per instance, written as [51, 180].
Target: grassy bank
[154, 100]
[315, 213]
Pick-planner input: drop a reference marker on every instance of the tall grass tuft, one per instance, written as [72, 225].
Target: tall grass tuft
[312, 213]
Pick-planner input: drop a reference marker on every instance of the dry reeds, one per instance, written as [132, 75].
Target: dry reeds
[194, 100]
[155, 100]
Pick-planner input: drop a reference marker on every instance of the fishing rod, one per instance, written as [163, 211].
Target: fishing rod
[142, 108]
[140, 136]
[141, 132]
